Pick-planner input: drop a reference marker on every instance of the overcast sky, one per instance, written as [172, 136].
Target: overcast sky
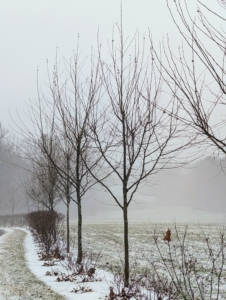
[31, 30]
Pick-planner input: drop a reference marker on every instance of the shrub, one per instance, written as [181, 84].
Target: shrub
[46, 226]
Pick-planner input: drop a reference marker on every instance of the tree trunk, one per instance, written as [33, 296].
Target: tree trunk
[53, 224]
[126, 246]
[68, 201]
[79, 257]
[68, 229]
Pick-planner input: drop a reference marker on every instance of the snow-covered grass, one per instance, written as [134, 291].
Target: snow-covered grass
[107, 239]
[16, 280]
[202, 248]
[149, 254]
[98, 289]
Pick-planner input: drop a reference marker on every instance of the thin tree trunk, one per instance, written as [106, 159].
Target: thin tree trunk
[68, 201]
[68, 229]
[126, 246]
[79, 257]
[53, 224]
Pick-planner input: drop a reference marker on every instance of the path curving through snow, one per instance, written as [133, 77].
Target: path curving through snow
[16, 280]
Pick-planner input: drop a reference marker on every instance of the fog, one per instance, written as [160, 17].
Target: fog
[31, 33]
[194, 193]
[12, 174]
[32, 30]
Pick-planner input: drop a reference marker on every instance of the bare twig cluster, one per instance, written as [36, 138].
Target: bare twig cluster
[181, 274]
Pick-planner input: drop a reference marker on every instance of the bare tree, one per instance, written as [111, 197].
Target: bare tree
[12, 204]
[74, 101]
[47, 185]
[42, 186]
[65, 167]
[133, 136]
[63, 118]
[8, 143]
[3, 137]
[196, 76]
[34, 194]
[68, 192]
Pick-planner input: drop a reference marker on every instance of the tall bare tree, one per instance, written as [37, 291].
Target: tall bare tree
[64, 117]
[196, 76]
[133, 136]
[65, 185]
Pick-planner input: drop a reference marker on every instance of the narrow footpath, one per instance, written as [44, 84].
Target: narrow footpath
[16, 280]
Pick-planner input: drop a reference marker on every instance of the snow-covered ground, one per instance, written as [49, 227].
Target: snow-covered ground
[2, 238]
[17, 282]
[100, 289]
[23, 276]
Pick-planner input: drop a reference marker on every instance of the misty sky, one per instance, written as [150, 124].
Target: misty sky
[31, 30]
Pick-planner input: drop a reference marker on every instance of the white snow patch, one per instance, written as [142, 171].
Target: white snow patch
[2, 237]
[100, 289]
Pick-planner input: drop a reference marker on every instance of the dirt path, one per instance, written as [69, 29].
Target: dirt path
[16, 280]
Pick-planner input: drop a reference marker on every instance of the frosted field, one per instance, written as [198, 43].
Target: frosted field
[107, 239]
[195, 259]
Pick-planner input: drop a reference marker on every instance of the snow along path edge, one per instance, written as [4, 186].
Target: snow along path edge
[16, 280]
[100, 289]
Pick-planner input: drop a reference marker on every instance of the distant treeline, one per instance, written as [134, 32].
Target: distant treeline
[12, 175]
[17, 220]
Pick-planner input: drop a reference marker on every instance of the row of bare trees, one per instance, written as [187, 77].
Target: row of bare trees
[104, 128]
[105, 122]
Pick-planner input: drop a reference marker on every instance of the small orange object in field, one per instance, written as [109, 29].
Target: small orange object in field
[167, 237]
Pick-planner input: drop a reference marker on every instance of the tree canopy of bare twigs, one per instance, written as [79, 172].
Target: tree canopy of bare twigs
[42, 186]
[134, 138]
[3, 136]
[196, 76]
[8, 144]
